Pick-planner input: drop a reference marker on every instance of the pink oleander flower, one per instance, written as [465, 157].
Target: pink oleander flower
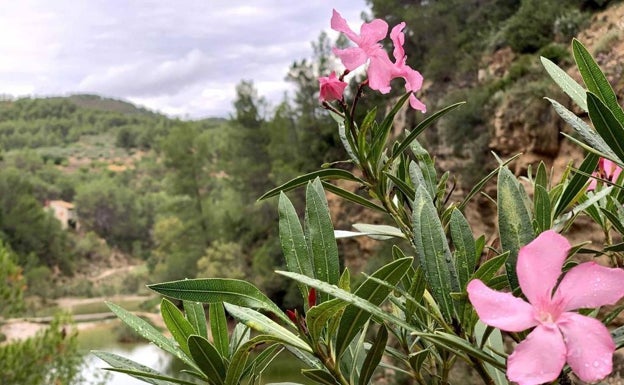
[413, 78]
[331, 88]
[368, 49]
[606, 170]
[560, 335]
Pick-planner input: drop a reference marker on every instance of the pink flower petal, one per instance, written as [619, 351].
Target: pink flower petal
[501, 310]
[417, 104]
[351, 58]
[589, 346]
[590, 285]
[380, 73]
[539, 265]
[371, 33]
[539, 358]
[338, 23]
[398, 39]
[611, 169]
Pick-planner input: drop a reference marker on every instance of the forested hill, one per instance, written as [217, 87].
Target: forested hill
[177, 197]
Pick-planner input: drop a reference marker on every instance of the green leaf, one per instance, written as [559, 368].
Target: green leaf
[265, 325]
[239, 359]
[514, 221]
[576, 186]
[145, 376]
[465, 248]
[317, 316]
[345, 137]
[119, 362]
[425, 163]
[293, 242]
[433, 252]
[207, 358]
[541, 209]
[348, 195]
[179, 326]
[583, 129]
[443, 340]
[353, 317]
[487, 270]
[566, 83]
[607, 125]
[379, 230]
[219, 328]
[541, 177]
[149, 332]
[324, 174]
[493, 344]
[320, 236]
[405, 143]
[319, 376]
[196, 315]
[595, 80]
[375, 353]
[406, 189]
[211, 290]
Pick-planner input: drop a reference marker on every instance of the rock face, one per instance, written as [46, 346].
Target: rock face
[521, 122]
[525, 123]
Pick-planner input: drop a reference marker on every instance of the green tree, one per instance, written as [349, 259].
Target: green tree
[12, 289]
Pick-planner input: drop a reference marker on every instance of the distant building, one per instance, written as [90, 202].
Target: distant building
[64, 212]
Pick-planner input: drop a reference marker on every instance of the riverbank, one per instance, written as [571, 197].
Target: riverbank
[16, 329]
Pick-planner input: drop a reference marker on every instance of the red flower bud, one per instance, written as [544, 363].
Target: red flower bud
[292, 315]
[312, 297]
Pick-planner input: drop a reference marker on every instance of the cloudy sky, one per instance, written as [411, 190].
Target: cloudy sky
[183, 58]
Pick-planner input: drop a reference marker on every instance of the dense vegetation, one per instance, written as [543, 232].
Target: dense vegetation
[181, 195]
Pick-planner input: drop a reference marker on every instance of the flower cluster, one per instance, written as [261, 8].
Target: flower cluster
[381, 70]
[560, 335]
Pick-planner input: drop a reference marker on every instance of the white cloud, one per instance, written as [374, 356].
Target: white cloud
[181, 58]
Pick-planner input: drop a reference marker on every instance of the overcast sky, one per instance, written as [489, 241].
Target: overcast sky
[183, 58]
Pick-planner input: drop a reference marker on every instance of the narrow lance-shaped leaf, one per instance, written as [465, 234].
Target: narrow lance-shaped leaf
[211, 290]
[567, 84]
[318, 316]
[320, 376]
[207, 358]
[219, 328]
[607, 125]
[374, 356]
[590, 136]
[433, 252]
[119, 362]
[576, 184]
[541, 208]
[465, 248]
[514, 221]
[265, 325]
[149, 332]
[353, 317]
[179, 326]
[196, 315]
[320, 236]
[595, 80]
[405, 143]
[293, 242]
[324, 174]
